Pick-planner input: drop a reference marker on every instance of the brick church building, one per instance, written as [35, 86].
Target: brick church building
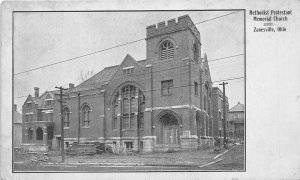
[164, 101]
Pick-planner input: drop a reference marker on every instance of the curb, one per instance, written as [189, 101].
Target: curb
[219, 155]
[213, 162]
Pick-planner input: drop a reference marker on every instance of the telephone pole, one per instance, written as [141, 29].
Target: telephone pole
[61, 122]
[224, 116]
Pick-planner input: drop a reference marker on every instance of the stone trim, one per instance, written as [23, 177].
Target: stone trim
[197, 109]
[168, 107]
[48, 111]
[129, 67]
[29, 113]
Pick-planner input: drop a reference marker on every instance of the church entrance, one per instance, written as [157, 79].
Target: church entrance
[168, 130]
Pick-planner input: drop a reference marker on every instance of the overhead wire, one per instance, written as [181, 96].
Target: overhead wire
[106, 49]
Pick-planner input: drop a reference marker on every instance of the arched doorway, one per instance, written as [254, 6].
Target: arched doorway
[39, 133]
[168, 129]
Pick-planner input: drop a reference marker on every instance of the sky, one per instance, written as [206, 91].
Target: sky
[42, 38]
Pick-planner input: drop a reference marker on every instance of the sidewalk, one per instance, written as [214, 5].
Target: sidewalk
[176, 159]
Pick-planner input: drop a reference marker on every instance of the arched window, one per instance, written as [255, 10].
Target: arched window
[195, 52]
[39, 133]
[30, 134]
[86, 116]
[141, 110]
[66, 117]
[167, 50]
[132, 109]
[206, 97]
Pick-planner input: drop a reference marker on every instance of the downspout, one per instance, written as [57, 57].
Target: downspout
[190, 97]
[78, 138]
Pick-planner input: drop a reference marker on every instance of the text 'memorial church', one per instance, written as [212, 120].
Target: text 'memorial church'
[148, 105]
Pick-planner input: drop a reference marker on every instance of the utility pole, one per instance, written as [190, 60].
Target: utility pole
[78, 118]
[61, 122]
[224, 116]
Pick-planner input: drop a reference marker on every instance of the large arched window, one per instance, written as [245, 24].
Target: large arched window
[66, 117]
[39, 133]
[86, 115]
[30, 134]
[167, 50]
[141, 110]
[132, 108]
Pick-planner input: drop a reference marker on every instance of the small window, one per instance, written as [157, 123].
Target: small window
[66, 117]
[30, 117]
[128, 71]
[167, 50]
[49, 102]
[86, 116]
[29, 104]
[30, 134]
[128, 145]
[141, 144]
[196, 88]
[51, 116]
[26, 118]
[166, 87]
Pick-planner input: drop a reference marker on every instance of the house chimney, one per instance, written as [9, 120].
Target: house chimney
[36, 91]
[15, 107]
[71, 85]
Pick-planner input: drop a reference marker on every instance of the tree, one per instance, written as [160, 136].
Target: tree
[84, 75]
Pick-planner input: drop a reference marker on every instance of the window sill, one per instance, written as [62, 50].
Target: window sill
[167, 95]
[66, 127]
[129, 129]
[86, 127]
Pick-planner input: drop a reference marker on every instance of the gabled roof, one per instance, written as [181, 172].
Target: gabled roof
[41, 101]
[46, 95]
[101, 78]
[238, 108]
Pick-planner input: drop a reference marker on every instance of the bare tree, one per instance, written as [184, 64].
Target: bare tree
[84, 75]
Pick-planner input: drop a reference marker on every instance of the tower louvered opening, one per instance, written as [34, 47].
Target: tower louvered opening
[167, 50]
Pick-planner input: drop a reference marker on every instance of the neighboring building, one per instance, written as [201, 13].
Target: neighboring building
[17, 128]
[218, 111]
[164, 101]
[37, 121]
[237, 121]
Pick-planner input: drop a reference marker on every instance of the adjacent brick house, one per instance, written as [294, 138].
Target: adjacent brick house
[218, 111]
[164, 101]
[236, 121]
[37, 121]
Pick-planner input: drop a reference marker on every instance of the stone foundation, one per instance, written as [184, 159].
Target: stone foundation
[35, 147]
[188, 142]
[206, 142]
[148, 143]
